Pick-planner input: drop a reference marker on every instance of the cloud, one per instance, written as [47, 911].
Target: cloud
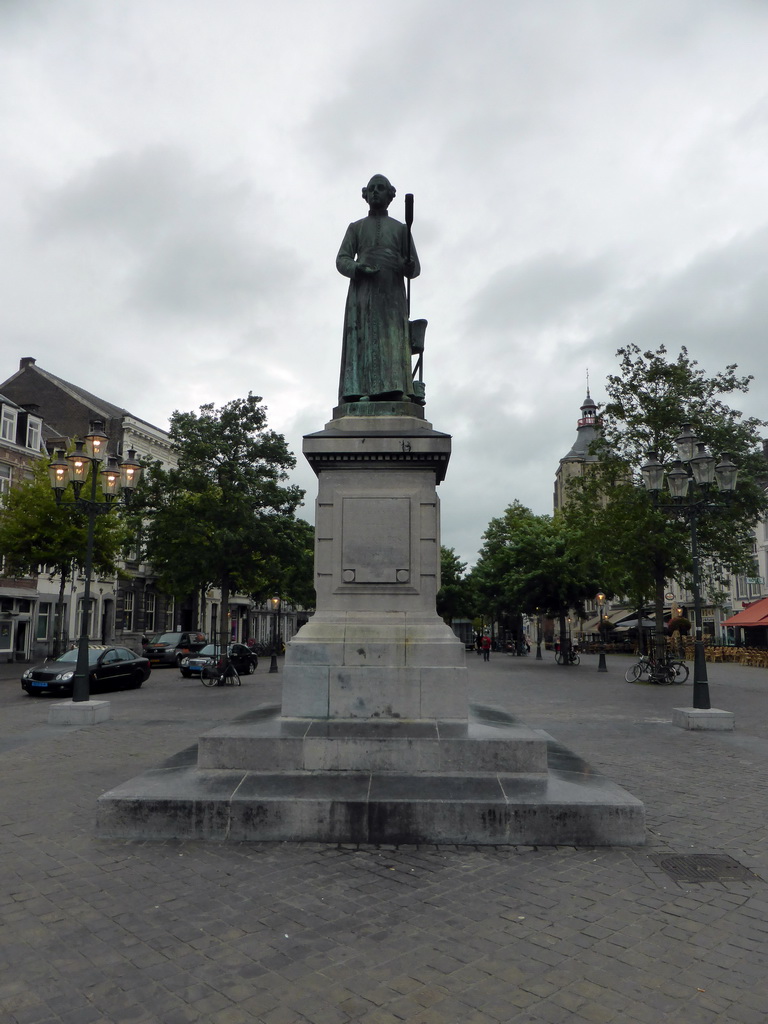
[189, 244]
[545, 292]
[586, 175]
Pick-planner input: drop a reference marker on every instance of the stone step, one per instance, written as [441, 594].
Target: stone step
[355, 807]
[567, 804]
[490, 743]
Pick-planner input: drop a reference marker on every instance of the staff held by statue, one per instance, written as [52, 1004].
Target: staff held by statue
[416, 328]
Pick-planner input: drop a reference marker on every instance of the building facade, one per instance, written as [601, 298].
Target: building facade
[42, 413]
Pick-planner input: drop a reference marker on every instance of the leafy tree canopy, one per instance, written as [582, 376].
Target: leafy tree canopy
[35, 530]
[225, 516]
[456, 598]
[531, 563]
[649, 400]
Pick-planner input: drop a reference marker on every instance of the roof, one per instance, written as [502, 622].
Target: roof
[586, 432]
[755, 614]
[99, 406]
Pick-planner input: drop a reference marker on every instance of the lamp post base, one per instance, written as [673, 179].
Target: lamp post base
[82, 712]
[703, 718]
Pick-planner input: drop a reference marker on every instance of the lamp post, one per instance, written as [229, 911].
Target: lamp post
[538, 635]
[693, 465]
[275, 602]
[601, 666]
[86, 460]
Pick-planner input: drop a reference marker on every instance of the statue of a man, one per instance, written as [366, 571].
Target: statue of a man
[377, 257]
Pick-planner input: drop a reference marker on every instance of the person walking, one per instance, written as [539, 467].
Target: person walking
[485, 645]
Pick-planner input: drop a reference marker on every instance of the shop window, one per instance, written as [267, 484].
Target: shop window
[149, 612]
[128, 611]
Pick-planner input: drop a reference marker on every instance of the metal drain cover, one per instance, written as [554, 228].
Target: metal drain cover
[705, 867]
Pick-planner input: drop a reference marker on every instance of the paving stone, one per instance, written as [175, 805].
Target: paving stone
[182, 933]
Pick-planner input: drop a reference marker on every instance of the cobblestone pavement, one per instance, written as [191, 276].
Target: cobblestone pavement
[176, 932]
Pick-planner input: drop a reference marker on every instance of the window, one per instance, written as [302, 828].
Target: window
[149, 613]
[33, 434]
[5, 478]
[128, 611]
[91, 616]
[8, 425]
[43, 621]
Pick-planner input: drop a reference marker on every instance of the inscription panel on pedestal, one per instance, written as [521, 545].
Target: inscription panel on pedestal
[376, 540]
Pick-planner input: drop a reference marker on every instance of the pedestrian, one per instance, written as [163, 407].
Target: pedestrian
[485, 645]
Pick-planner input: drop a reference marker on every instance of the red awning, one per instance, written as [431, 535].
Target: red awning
[754, 615]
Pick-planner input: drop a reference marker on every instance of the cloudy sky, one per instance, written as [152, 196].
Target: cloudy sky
[177, 176]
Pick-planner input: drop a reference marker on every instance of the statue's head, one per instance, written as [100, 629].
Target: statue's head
[379, 192]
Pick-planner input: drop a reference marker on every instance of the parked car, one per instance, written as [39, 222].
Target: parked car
[168, 648]
[109, 668]
[243, 658]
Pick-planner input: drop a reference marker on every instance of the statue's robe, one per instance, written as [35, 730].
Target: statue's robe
[376, 352]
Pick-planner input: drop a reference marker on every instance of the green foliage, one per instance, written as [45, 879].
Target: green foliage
[681, 624]
[535, 563]
[297, 565]
[648, 401]
[36, 531]
[456, 598]
[225, 517]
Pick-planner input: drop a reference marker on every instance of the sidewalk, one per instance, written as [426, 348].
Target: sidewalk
[132, 933]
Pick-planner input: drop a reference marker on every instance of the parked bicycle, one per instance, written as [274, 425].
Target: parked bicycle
[220, 673]
[664, 672]
[571, 654]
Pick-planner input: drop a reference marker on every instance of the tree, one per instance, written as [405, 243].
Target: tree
[536, 563]
[455, 598]
[224, 517]
[36, 531]
[648, 401]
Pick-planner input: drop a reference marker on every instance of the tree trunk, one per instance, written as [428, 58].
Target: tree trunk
[660, 646]
[224, 627]
[564, 644]
[58, 638]
[201, 613]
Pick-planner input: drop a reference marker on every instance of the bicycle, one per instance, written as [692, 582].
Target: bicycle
[571, 655]
[221, 673]
[666, 672]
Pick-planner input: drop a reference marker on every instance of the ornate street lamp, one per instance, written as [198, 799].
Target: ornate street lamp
[86, 460]
[601, 666]
[696, 466]
[275, 602]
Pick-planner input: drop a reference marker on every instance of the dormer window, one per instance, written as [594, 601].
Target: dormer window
[33, 434]
[8, 424]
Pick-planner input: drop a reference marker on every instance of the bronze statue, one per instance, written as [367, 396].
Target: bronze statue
[377, 254]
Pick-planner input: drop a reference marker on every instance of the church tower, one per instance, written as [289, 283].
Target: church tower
[574, 463]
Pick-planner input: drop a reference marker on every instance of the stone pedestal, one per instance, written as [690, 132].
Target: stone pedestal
[375, 742]
[703, 718]
[81, 712]
[376, 648]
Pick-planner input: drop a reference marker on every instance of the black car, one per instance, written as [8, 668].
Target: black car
[169, 648]
[110, 668]
[242, 657]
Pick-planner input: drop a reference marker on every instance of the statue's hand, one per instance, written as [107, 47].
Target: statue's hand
[367, 268]
[409, 267]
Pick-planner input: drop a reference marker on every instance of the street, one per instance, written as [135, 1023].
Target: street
[105, 931]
